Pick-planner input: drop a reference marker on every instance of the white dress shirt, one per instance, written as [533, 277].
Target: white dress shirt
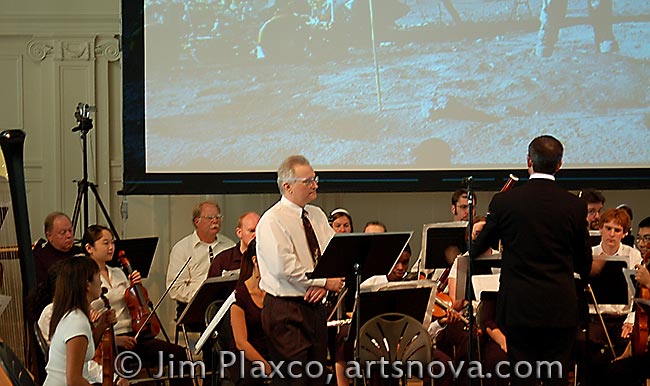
[633, 258]
[197, 269]
[282, 249]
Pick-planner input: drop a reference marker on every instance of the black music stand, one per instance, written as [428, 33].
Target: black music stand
[362, 254]
[193, 316]
[419, 293]
[594, 238]
[442, 242]
[140, 253]
[610, 285]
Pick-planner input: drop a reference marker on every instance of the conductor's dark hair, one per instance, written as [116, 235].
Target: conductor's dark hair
[545, 152]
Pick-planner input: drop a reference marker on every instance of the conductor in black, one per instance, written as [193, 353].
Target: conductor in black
[544, 235]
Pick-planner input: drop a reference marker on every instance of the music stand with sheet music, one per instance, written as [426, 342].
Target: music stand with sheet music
[214, 288]
[390, 297]
[594, 238]
[610, 285]
[483, 265]
[441, 242]
[362, 254]
[140, 253]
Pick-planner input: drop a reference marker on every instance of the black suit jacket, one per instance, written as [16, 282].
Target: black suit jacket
[545, 240]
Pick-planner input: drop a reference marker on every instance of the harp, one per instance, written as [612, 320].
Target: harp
[17, 273]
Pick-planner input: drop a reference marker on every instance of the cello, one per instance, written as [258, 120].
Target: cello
[137, 299]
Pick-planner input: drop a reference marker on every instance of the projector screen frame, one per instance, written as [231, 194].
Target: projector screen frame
[136, 181]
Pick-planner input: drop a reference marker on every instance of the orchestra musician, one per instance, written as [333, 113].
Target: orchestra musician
[290, 238]
[98, 243]
[545, 240]
[72, 340]
[635, 369]
[341, 221]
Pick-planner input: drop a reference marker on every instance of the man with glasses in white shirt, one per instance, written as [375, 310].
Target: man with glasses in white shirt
[643, 237]
[291, 236]
[202, 246]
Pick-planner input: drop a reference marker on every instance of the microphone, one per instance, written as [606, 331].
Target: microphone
[468, 180]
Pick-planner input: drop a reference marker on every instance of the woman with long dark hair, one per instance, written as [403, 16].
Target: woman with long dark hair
[71, 334]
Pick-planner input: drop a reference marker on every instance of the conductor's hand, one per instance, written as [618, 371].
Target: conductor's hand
[315, 294]
[135, 277]
[334, 284]
[642, 276]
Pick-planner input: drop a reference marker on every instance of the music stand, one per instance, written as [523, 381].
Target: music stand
[363, 255]
[594, 238]
[214, 288]
[139, 251]
[442, 242]
[610, 285]
[391, 298]
[483, 265]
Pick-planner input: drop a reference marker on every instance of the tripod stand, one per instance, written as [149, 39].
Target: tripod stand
[85, 125]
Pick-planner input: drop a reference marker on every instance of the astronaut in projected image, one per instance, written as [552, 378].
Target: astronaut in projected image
[553, 16]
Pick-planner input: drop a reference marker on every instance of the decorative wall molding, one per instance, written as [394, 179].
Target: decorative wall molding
[82, 24]
[71, 49]
[108, 48]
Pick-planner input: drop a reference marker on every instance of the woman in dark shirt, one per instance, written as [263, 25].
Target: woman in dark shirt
[245, 313]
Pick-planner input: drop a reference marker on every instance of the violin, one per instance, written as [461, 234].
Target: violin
[443, 304]
[137, 299]
[108, 348]
[640, 329]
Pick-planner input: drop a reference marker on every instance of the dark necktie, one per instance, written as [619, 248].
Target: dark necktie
[311, 237]
[210, 253]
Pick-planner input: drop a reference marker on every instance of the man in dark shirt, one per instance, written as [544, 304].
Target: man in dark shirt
[58, 246]
[230, 259]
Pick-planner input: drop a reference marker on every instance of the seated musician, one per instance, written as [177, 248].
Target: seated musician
[614, 225]
[67, 325]
[99, 321]
[246, 314]
[341, 221]
[99, 244]
[634, 369]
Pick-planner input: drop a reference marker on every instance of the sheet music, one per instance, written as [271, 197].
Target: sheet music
[213, 324]
[485, 283]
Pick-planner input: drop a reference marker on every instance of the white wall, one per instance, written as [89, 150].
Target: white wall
[54, 54]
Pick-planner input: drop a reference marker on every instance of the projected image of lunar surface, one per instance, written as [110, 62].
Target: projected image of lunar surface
[237, 85]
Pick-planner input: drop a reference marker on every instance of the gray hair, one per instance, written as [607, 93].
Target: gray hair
[286, 172]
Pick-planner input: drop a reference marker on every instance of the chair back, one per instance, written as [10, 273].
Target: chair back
[13, 368]
[394, 337]
[42, 342]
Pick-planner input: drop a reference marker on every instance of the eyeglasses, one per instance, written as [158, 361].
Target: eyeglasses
[644, 239]
[306, 181]
[594, 211]
[213, 217]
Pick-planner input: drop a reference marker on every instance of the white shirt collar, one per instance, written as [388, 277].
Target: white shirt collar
[291, 205]
[541, 176]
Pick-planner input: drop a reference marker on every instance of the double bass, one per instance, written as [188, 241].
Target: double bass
[137, 299]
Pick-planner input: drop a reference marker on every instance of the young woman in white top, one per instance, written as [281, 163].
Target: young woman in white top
[71, 335]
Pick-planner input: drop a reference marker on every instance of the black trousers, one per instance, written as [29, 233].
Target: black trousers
[528, 347]
[296, 331]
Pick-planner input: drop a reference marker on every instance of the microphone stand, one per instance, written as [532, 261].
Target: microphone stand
[468, 286]
[153, 311]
